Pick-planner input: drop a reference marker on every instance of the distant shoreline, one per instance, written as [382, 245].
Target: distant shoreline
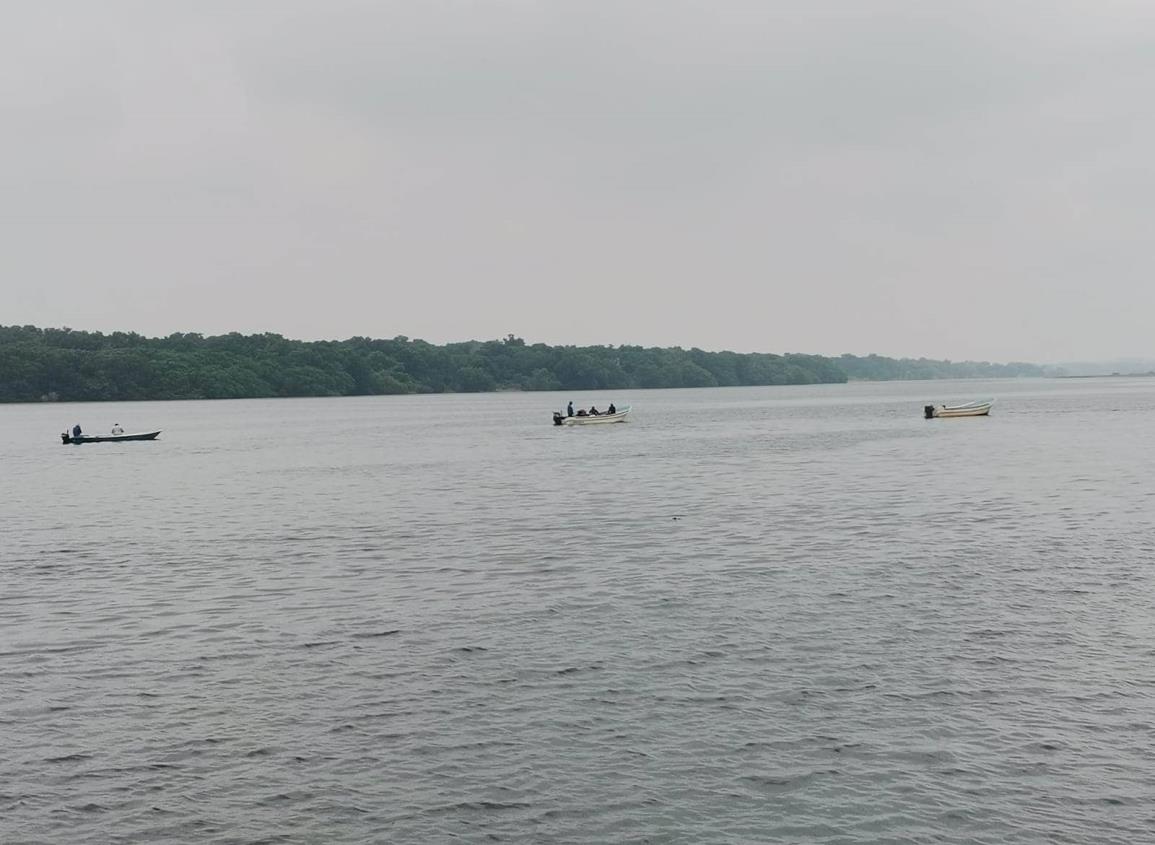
[519, 392]
[61, 365]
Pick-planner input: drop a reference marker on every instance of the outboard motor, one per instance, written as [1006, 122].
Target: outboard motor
[929, 411]
[557, 417]
[64, 437]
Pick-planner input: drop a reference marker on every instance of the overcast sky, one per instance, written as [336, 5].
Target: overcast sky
[957, 179]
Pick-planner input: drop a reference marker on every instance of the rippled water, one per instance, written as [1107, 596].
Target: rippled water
[793, 614]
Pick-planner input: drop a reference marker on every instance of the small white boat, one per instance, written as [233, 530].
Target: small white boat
[619, 415]
[970, 409]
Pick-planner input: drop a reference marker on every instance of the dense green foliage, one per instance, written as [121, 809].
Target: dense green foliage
[61, 364]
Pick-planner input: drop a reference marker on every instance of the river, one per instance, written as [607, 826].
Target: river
[748, 614]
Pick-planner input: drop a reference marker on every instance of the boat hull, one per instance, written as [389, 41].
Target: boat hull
[108, 438]
[944, 412]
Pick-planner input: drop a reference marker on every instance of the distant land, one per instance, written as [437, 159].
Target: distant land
[1114, 367]
[70, 366]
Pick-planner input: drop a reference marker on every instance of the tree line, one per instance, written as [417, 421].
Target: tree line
[38, 364]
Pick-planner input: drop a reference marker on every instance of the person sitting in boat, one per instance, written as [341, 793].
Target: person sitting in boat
[594, 412]
[76, 430]
[569, 409]
[612, 409]
[116, 429]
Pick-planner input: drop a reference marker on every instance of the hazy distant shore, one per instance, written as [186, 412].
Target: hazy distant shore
[68, 366]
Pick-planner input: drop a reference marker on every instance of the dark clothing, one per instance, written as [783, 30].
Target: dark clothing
[569, 410]
[612, 409]
[76, 430]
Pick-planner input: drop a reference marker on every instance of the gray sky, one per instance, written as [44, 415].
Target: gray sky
[951, 179]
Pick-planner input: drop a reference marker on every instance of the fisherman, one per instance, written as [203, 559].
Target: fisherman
[76, 430]
[594, 412]
[569, 409]
[612, 409]
[116, 429]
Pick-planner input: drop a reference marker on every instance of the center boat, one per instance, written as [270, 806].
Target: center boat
[591, 419]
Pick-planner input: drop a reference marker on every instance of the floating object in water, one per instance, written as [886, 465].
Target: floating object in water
[591, 419]
[107, 438]
[970, 409]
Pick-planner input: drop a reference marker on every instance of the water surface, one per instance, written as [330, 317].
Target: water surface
[755, 614]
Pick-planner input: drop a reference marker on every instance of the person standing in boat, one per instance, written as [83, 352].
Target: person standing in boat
[76, 432]
[116, 429]
[569, 409]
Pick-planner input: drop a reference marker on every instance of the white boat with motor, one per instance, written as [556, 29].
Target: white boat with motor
[970, 409]
[584, 418]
